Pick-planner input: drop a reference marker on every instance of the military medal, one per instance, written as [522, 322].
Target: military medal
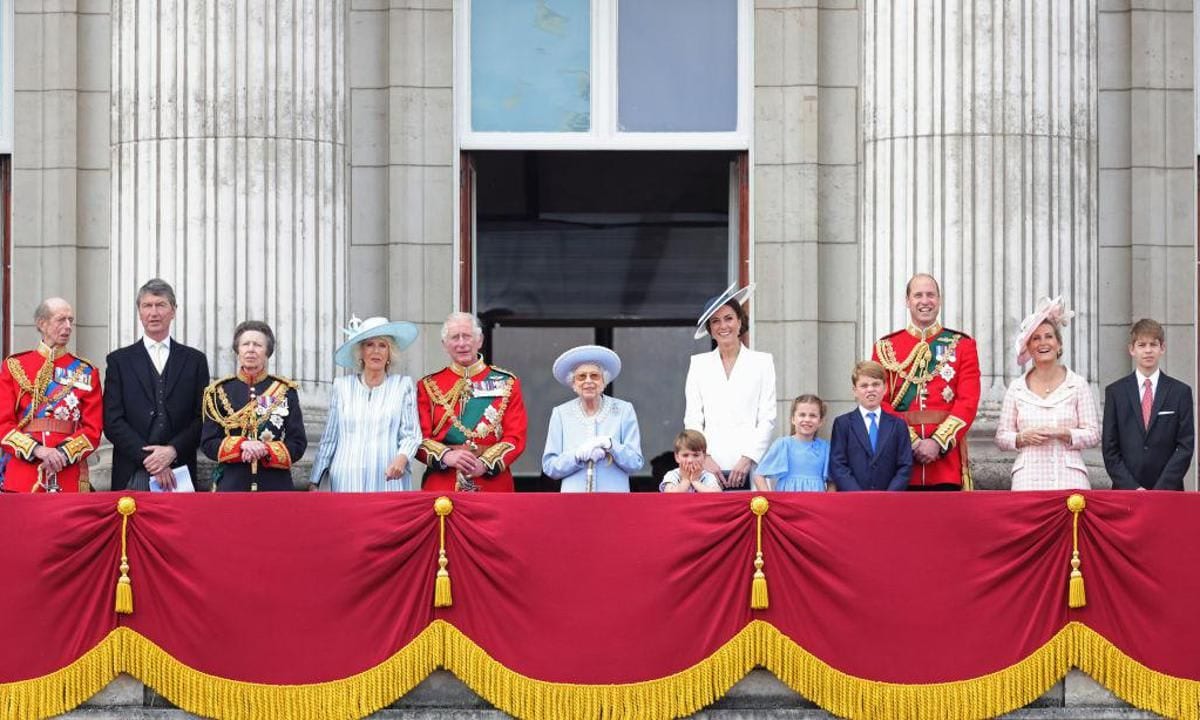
[947, 373]
[947, 393]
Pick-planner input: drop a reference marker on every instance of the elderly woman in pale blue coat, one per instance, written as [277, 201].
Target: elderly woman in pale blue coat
[373, 430]
[594, 442]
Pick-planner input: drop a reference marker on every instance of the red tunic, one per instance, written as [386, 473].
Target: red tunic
[478, 408]
[57, 403]
[933, 384]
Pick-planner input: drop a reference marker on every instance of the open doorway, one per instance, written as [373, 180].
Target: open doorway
[620, 249]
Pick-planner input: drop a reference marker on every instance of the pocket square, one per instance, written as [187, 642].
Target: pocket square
[1166, 412]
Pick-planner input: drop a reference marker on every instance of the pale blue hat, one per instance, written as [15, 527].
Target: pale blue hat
[401, 332]
[602, 357]
[731, 293]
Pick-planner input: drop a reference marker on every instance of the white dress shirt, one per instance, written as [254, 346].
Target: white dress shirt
[159, 351]
[735, 413]
[1141, 381]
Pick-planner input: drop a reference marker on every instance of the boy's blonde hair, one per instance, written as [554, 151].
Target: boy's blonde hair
[867, 368]
[691, 440]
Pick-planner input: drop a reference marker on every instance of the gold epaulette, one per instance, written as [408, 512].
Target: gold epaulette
[499, 369]
[85, 361]
[959, 333]
[279, 378]
[213, 385]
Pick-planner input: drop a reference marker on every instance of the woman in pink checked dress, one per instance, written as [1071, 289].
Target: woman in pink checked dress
[1049, 415]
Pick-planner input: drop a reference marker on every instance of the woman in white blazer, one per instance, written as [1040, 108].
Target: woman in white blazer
[730, 391]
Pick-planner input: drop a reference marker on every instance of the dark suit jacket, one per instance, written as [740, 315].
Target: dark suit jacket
[852, 465]
[129, 405]
[1156, 458]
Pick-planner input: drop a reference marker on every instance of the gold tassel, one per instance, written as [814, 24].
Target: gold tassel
[759, 599]
[1076, 597]
[126, 506]
[441, 586]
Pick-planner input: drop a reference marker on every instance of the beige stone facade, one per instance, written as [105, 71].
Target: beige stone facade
[381, 184]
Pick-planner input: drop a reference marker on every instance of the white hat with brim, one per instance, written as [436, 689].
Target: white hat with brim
[1048, 310]
[401, 332]
[732, 293]
[602, 357]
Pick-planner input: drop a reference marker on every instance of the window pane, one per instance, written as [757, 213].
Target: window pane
[601, 236]
[530, 353]
[677, 65]
[654, 364]
[530, 65]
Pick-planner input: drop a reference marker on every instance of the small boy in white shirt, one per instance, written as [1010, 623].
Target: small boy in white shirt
[690, 451]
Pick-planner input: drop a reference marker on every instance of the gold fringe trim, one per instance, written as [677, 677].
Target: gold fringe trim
[683, 693]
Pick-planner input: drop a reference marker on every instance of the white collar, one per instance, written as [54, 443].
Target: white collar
[863, 412]
[151, 344]
[1153, 378]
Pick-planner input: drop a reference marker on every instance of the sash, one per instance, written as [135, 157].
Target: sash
[927, 364]
[56, 391]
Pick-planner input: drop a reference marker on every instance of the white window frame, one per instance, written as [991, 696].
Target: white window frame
[603, 134]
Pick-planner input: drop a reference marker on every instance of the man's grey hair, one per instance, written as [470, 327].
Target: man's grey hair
[45, 309]
[157, 287]
[459, 317]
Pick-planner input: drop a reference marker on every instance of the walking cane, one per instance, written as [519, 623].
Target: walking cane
[591, 476]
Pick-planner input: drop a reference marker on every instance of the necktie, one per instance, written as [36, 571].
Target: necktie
[872, 430]
[157, 356]
[1147, 401]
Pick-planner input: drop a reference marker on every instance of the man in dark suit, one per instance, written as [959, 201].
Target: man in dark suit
[1148, 435]
[870, 449]
[152, 398]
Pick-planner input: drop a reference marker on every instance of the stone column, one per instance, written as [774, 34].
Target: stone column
[980, 158]
[228, 171]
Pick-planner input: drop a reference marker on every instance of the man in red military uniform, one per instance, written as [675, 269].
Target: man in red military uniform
[472, 416]
[933, 383]
[50, 409]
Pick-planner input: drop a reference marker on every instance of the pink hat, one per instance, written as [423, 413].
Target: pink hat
[1052, 311]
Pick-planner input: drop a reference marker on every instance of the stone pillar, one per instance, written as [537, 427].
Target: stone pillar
[60, 168]
[980, 158]
[228, 171]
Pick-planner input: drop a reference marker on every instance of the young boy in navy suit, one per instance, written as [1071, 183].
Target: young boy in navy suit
[870, 449]
[1148, 436]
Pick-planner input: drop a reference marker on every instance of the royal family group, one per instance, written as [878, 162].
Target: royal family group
[916, 398]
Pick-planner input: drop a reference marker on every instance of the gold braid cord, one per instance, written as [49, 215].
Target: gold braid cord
[244, 419]
[448, 400]
[914, 369]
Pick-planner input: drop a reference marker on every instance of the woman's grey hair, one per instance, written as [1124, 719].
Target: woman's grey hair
[157, 287]
[604, 373]
[459, 317]
[254, 326]
[393, 362]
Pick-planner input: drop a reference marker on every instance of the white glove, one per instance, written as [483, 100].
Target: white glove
[602, 441]
[583, 452]
[597, 454]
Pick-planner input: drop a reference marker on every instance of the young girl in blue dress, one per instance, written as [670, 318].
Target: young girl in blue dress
[799, 462]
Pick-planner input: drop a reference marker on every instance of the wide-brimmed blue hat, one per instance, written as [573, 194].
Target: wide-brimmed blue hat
[602, 357]
[731, 293]
[401, 332]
